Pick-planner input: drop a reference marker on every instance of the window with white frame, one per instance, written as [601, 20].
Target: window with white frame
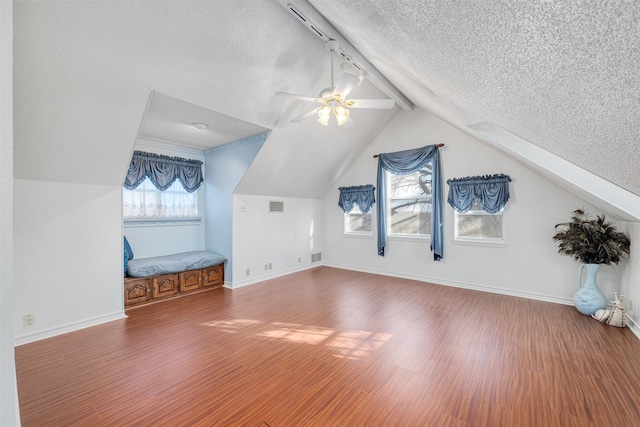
[358, 223]
[478, 225]
[146, 201]
[409, 203]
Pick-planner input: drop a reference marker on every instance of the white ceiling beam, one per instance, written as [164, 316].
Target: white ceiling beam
[324, 30]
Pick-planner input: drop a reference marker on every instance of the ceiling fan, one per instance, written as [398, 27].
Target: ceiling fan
[334, 98]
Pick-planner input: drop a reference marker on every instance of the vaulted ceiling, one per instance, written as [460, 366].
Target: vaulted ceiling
[561, 75]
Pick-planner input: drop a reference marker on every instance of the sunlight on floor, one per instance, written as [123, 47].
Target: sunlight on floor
[352, 345]
[358, 344]
[232, 326]
[297, 333]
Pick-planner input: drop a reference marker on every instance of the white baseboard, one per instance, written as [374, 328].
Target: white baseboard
[52, 332]
[258, 279]
[458, 284]
[633, 325]
[70, 327]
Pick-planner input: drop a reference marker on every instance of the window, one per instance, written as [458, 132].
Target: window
[479, 226]
[409, 203]
[357, 223]
[146, 201]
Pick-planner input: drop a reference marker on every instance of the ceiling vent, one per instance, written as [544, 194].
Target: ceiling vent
[321, 34]
[276, 206]
[307, 23]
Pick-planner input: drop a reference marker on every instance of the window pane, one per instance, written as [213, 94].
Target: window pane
[359, 222]
[410, 216]
[480, 226]
[415, 184]
[146, 201]
[409, 202]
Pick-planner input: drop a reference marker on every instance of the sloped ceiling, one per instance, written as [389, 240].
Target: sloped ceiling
[173, 121]
[561, 75]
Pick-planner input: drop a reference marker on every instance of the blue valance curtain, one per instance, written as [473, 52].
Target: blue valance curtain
[361, 195]
[403, 163]
[163, 171]
[491, 190]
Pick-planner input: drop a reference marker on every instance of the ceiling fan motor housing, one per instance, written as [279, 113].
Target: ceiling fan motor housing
[327, 93]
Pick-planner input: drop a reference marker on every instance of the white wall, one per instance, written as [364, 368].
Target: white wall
[157, 240]
[279, 239]
[9, 408]
[630, 275]
[226, 166]
[67, 257]
[529, 266]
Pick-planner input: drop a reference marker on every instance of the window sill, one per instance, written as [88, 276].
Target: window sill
[161, 222]
[484, 243]
[409, 238]
[359, 235]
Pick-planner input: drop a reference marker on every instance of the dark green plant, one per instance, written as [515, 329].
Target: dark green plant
[591, 241]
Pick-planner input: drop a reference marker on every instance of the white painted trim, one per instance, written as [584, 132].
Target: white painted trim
[479, 242]
[251, 139]
[161, 222]
[633, 325]
[242, 283]
[69, 327]
[457, 284]
[168, 145]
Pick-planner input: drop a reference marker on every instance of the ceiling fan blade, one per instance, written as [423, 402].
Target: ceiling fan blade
[302, 97]
[306, 115]
[350, 122]
[382, 104]
[346, 84]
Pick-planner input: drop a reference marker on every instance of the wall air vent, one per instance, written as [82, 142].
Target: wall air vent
[316, 257]
[314, 29]
[276, 206]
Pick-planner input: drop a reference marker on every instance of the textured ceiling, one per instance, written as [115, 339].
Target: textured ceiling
[562, 75]
[171, 120]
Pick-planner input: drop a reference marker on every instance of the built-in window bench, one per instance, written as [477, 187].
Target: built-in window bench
[178, 274]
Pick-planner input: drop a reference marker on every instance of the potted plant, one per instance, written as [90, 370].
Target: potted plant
[591, 242]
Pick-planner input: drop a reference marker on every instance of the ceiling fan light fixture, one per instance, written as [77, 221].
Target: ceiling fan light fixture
[334, 98]
[324, 114]
[342, 115]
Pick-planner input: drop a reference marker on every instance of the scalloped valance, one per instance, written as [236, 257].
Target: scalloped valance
[361, 195]
[491, 190]
[162, 171]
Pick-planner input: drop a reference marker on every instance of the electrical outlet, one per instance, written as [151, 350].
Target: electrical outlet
[266, 267]
[630, 305]
[270, 266]
[247, 272]
[28, 320]
[299, 260]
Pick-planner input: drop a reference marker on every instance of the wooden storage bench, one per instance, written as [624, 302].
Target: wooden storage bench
[142, 290]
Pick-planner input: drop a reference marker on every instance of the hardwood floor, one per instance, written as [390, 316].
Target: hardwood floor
[330, 347]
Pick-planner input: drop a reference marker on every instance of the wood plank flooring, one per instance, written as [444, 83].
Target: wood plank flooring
[331, 347]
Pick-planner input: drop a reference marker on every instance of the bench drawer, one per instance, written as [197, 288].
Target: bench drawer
[190, 280]
[213, 276]
[165, 285]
